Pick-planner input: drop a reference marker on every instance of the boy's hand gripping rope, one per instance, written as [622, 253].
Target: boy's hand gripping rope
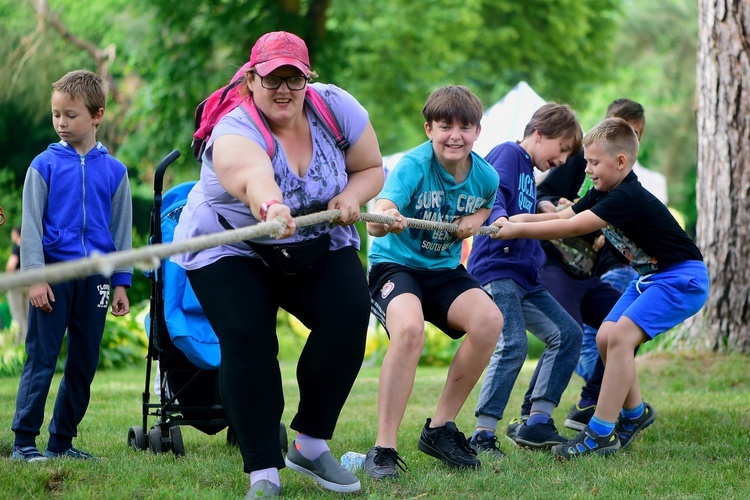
[150, 257]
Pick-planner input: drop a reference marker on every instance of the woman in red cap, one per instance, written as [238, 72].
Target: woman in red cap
[241, 286]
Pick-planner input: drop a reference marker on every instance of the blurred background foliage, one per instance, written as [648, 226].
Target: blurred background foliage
[162, 57]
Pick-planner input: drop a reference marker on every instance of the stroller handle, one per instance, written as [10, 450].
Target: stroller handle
[159, 175]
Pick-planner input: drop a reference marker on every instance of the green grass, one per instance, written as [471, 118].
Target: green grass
[699, 446]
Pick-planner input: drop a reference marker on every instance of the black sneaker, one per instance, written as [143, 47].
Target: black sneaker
[448, 444]
[382, 463]
[579, 418]
[627, 428]
[539, 436]
[483, 442]
[513, 427]
[587, 442]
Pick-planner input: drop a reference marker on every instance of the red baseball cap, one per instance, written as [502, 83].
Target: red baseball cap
[277, 49]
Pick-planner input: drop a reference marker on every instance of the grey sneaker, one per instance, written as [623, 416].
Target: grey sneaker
[70, 453]
[627, 428]
[513, 427]
[325, 469]
[483, 442]
[383, 463]
[27, 454]
[578, 418]
[263, 489]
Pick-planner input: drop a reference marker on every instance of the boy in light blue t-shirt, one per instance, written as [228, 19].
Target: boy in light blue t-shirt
[416, 276]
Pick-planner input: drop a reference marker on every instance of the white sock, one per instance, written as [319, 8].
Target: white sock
[309, 447]
[270, 474]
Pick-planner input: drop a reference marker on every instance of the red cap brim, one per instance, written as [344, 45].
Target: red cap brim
[264, 68]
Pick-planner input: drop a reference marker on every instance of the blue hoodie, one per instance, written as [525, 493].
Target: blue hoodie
[519, 259]
[75, 206]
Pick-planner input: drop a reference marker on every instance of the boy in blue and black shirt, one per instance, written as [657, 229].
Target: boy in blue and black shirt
[673, 283]
[76, 203]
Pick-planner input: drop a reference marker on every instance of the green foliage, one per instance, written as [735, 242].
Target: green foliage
[439, 349]
[10, 200]
[125, 342]
[388, 53]
[12, 355]
[656, 63]
[123, 345]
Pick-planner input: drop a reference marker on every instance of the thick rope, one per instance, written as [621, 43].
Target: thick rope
[150, 257]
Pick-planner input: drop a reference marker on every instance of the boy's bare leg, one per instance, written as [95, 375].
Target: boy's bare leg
[405, 324]
[474, 312]
[617, 343]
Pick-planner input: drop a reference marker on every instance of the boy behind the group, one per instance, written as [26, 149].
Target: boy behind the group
[76, 203]
[673, 283]
[510, 272]
[416, 276]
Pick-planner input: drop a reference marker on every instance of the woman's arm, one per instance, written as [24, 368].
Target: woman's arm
[245, 172]
[364, 164]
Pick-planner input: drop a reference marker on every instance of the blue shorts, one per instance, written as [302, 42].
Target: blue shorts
[660, 301]
[436, 290]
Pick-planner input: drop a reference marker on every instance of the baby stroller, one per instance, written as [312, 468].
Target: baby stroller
[181, 340]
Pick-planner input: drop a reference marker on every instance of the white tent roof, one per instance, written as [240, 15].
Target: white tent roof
[507, 119]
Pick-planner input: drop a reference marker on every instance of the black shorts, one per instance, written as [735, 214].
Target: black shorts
[436, 290]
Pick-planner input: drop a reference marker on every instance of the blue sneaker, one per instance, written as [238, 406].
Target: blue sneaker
[587, 442]
[27, 454]
[627, 428]
[70, 453]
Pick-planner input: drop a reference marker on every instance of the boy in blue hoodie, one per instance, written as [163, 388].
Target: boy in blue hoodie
[76, 203]
[510, 272]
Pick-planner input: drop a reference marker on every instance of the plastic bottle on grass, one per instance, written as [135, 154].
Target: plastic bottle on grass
[352, 460]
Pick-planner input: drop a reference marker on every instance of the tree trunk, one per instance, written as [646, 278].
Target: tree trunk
[723, 194]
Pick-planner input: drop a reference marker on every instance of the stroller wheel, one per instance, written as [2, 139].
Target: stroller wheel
[175, 435]
[137, 438]
[154, 439]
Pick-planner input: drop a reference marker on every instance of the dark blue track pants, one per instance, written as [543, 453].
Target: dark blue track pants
[80, 307]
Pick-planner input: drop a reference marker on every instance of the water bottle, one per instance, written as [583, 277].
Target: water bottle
[352, 460]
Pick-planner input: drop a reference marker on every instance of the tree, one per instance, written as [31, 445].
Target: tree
[723, 195]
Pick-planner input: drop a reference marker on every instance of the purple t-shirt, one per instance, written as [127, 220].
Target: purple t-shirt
[325, 178]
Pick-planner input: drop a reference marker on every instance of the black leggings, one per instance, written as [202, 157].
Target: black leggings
[241, 298]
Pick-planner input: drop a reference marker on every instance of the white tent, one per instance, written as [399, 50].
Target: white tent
[506, 119]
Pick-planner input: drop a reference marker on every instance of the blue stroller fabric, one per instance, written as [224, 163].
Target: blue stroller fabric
[187, 324]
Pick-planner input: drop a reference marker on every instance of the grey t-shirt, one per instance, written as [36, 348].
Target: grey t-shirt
[325, 178]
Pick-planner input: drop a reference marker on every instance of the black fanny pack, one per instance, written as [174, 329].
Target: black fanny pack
[577, 255]
[289, 258]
